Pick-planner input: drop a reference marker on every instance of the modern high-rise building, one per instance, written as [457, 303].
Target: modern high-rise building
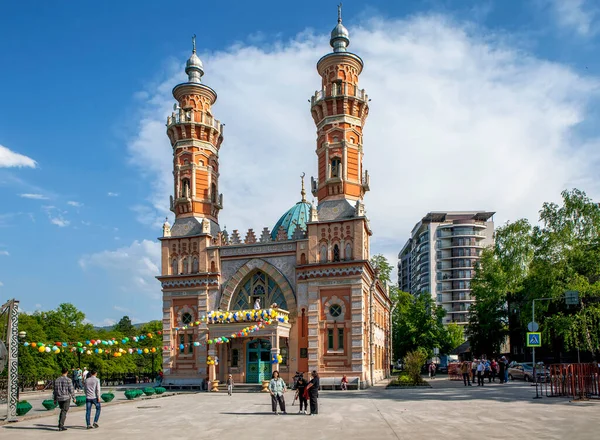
[440, 257]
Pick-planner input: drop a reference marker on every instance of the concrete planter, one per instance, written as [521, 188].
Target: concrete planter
[80, 400]
[149, 391]
[49, 404]
[107, 397]
[265, 386]
[131, 394]
[23, 408]
[214, 386]
[160, 390]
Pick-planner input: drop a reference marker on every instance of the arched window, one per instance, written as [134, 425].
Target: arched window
[213, 266]
[336, 253]
[303, 258]
[195, 266]
[185, 267]
[261, 286]
[323, 255]
[185, 187]
[348, 253]
[336, 167]
[174, 267]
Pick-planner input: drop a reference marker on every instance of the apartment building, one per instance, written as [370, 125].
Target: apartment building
[440, 257]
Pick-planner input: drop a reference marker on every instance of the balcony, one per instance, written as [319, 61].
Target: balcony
[194, 117]
[320, 95]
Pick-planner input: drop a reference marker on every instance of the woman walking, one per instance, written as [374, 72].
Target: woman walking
[312, 390]
[276, 389]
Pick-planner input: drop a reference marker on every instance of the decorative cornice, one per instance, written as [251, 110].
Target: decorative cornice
[189, 282]
[330, 272]
[231, 251]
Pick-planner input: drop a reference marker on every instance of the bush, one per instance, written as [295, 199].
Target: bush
[413, 362]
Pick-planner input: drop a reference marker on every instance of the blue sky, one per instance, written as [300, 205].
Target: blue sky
[476, 105]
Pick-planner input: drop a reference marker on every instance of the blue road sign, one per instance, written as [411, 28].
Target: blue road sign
[534, 339]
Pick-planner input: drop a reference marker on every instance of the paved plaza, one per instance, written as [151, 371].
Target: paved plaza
[447, 410]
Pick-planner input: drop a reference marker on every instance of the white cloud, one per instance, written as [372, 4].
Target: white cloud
[121, 309]
[578, 16]
[5, 253]
[33, 196]
[10, 159]
[458, 121]
[56, 216]
[112, 194]
[1, 284]
[75, 204]
[133, 267]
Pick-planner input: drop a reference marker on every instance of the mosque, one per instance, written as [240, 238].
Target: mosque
[311, 270]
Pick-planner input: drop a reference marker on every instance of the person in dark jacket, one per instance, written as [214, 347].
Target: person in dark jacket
[312, 390]
[62, 395]
[501, 370]
[300, 389]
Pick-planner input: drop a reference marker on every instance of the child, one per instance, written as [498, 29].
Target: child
[230, 385]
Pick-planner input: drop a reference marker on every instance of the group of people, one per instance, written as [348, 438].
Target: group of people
[480, 369]
[64, 393]
[306, 392]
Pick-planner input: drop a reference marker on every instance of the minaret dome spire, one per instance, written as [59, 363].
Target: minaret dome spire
[340, 38]
[193, 66]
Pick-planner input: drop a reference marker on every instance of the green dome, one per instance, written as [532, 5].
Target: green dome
[295, 217]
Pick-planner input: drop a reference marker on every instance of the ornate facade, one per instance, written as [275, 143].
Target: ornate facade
[313, 266]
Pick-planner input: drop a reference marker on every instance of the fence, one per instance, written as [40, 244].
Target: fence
[577, 381]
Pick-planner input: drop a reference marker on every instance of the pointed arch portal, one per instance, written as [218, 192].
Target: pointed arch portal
[257, 278]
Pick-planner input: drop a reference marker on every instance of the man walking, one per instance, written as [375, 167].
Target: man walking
[92, 397]
[62, 395]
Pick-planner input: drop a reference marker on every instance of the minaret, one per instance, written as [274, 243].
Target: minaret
[340, 110]
[196, 137]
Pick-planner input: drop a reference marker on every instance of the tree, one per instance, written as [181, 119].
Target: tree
[488, 315]
[417, 323]
[567, 251]
[125, 326]
[456, 335]
[380, 263]
[498, 281]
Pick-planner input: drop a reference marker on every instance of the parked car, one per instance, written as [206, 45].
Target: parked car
[524, 371]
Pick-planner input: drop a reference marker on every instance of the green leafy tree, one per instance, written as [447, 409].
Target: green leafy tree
[456, 335]
[381, 263]
[125, 327]
[417, 323]
[567, 251]
[498, 280]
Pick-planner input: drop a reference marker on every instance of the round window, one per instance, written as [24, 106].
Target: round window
[186, 318]
[335, 310]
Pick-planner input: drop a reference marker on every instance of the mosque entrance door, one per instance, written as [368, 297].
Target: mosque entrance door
[258, 361]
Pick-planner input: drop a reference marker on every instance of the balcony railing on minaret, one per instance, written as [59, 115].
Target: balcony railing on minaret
[320, 95]
[189, 117]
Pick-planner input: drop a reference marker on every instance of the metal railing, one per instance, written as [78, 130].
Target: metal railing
[577, 381]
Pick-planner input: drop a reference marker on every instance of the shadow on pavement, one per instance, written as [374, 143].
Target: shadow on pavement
[443, 389]
[40, 427]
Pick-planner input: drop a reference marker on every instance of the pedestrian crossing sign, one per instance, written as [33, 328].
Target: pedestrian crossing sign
[534, 339]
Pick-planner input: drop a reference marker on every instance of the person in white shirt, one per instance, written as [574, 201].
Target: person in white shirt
[480, 372]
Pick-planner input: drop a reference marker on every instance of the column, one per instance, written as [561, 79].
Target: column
[275, 344]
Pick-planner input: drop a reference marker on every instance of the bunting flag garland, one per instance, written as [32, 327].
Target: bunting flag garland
[224, 339]
[261, 317]
[226, 317]
[96, 346]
